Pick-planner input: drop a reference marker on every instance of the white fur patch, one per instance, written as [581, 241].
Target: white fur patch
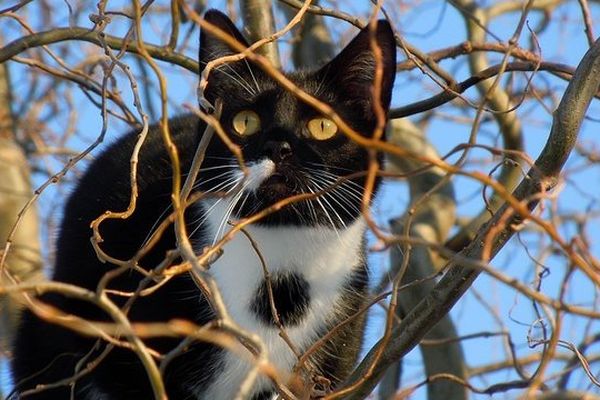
[257, 173]
[324, 257]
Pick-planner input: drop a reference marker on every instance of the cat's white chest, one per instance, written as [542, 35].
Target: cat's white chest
[323, 257]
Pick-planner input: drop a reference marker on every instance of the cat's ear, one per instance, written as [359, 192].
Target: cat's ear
[211, 47]
[353, 70]
[225, 79]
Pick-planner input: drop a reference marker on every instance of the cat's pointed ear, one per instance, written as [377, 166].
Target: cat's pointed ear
[211, 47]
[353, 70]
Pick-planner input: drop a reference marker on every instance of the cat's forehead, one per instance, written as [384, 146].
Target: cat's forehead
[307, 81]
[287, 101]
[265, 95]
[311, 82]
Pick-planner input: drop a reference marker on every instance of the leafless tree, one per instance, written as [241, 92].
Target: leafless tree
[491, 220]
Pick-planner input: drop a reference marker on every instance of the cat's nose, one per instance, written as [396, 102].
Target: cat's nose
[277, 150]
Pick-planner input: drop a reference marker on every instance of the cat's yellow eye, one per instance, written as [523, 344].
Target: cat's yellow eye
[322, 128]
[246, 123]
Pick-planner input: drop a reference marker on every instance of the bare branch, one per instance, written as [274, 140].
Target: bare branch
[430, 217]
[260, 24]
[98, 38]
[567, 121]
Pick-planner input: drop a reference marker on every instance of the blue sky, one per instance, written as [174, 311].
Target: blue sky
[432, 25]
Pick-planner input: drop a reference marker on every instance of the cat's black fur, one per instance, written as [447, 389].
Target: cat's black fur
[45, 353]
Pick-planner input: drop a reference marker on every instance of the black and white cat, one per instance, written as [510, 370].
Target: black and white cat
[314, 249]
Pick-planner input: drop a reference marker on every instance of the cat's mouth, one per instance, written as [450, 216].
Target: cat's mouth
[278, 186]
[265, 184]
[271, 182]
[277, 178]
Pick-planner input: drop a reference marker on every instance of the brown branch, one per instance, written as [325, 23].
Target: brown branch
[260, 24]
[430, 216]
[24, 260]
[566, 124]
[519, 206]
[412, 52]
[449, 95]
[587, 20]
[312, 40]
[476, 21]
[468, 47]
[15, 7]
[87, 35]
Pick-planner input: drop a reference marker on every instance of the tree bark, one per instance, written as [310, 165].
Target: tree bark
[259, 23]
[430, 217]
[23, 261]
[543, 176]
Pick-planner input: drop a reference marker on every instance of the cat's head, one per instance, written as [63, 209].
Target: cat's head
[289, 146]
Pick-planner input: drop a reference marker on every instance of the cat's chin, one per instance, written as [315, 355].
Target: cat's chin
[274, 189]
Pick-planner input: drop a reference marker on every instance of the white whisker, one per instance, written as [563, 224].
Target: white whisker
[252, 75]
[241, 82]
[227, 215]
[202, 219]
[337, 192]
[322, 206]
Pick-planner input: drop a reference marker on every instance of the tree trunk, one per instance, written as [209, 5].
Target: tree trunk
[23, 261]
